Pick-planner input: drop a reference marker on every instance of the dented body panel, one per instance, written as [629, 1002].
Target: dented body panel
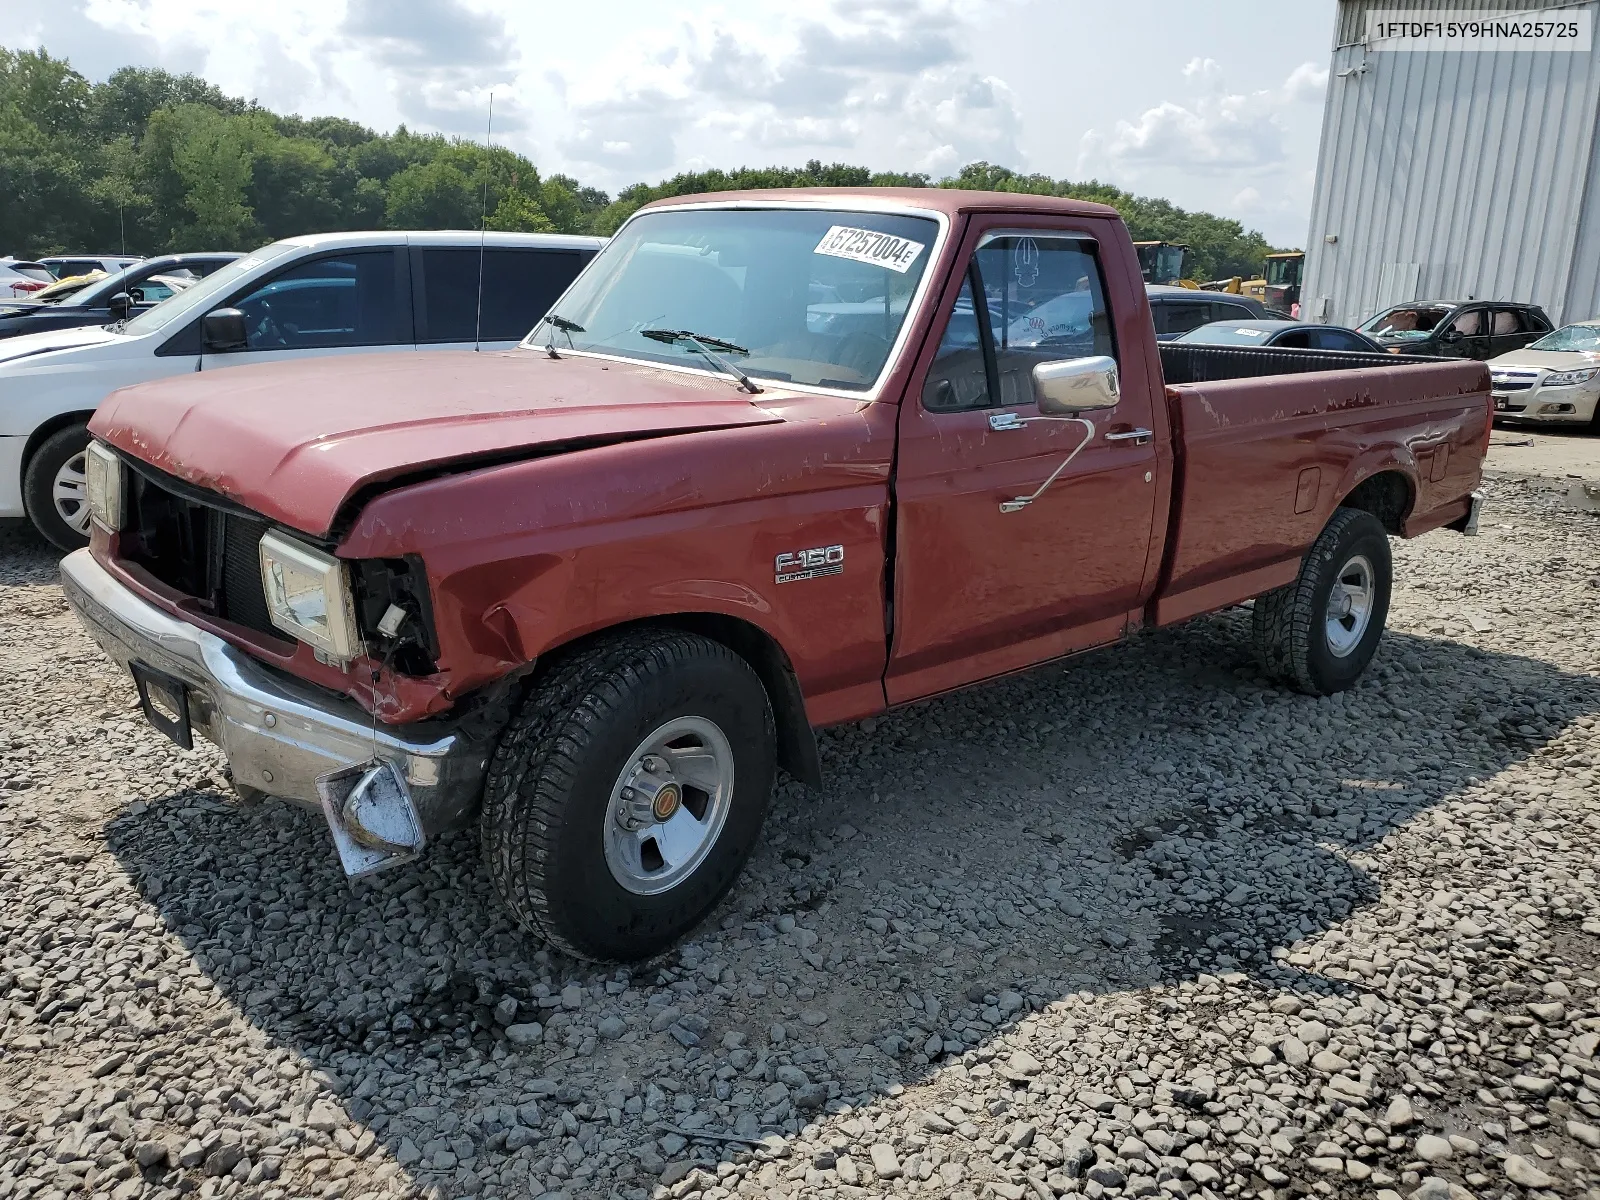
[547, 499]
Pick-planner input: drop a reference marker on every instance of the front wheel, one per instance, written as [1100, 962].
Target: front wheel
[625, 797]
[1320, 632]
[55, 488]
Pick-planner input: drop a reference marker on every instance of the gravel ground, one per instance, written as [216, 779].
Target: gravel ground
[1140, 925]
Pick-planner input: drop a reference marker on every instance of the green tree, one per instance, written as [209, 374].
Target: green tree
[433, 195]
[212, 155]
[178, 164]
[517, 212]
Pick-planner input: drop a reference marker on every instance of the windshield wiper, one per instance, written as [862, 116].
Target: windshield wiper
[707, 348]
[555, 321]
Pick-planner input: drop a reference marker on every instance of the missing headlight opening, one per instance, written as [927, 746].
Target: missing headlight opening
[405, 641]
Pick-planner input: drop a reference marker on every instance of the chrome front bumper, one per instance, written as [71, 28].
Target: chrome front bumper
[278, 734]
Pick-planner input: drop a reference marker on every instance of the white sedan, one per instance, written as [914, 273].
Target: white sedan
[1553, 381]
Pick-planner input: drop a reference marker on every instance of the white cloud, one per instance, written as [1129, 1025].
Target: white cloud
[864, 79]
[1213, 131]
[443, 60]
[1307, 83]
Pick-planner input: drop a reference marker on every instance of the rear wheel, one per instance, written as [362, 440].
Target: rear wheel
[625, 797]
[1319, 633]
[55, 488]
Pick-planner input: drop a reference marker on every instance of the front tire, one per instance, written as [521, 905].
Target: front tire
[55, 488]
[1319, 633]
[626, 795]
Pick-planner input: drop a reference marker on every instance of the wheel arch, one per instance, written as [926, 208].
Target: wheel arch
[49, 428]
[797, 741]
[1388, 495]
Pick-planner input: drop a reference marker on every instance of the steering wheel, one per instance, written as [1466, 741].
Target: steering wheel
[266, 335]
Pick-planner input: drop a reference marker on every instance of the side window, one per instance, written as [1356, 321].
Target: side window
[1231, 312]
[1336, 339]
[1045, 302]
[1184, 315]
[1295, 339]
[519, 286]
[149, 292]
[1508, 321]
[958, 378]
[348, 300]
[1469, 323]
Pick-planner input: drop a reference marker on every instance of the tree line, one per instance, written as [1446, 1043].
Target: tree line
[157, 162]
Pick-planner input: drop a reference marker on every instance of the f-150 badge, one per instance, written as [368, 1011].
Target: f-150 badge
[809, 564]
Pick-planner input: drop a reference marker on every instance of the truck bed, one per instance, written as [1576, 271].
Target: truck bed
[1193, 362]
[1267, 443]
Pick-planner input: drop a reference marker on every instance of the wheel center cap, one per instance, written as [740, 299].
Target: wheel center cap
[668, 800]
[1343, 604]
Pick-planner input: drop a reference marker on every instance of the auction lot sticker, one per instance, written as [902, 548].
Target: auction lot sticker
[871, 247]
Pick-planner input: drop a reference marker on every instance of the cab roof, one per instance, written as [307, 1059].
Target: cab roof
[950, 201]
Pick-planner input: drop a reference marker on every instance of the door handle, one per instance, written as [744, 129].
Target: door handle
[1137, 436]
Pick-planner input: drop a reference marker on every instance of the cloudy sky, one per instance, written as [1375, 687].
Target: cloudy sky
[1216, 106]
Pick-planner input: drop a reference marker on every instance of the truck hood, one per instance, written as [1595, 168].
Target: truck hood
[296, 441]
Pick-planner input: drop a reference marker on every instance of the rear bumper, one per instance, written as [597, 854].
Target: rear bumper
[277, 733]
[1468, 524]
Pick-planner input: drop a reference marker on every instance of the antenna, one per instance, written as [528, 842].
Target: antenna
[483, 231]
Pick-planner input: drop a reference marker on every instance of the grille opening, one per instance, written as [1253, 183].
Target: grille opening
[208, 553]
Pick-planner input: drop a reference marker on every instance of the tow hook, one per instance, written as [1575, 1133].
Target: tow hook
[371, 816]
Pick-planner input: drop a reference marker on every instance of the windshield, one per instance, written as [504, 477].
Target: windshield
[1406, 321]
[1571, 337]
[1160, 262]
[1227, 333]
[199, 297]
[1284, 272]
[807, 296]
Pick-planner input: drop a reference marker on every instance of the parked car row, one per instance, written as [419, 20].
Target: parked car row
[329, 294]
[113, 297]
[20, 279]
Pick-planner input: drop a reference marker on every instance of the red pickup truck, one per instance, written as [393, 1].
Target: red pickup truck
[776, 460]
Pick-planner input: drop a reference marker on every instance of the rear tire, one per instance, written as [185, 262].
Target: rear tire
[572, 857]
[54, 488]
[1318, 633]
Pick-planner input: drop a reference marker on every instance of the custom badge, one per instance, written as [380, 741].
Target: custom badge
[809, 564]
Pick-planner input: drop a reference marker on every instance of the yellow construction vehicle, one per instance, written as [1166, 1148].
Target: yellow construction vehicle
[1164, 262]
[1279, 284]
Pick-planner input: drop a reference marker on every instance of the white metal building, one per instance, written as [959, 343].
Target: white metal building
[1454, 175]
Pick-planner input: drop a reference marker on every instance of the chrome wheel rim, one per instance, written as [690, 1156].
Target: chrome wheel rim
[70, 493]
[1350, 606]
[668, 805]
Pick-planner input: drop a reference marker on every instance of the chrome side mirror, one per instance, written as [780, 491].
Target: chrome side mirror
[1075, 385]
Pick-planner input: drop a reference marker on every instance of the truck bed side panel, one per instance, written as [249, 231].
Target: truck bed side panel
[1263, 462]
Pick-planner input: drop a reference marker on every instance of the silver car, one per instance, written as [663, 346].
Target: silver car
[1553, 381]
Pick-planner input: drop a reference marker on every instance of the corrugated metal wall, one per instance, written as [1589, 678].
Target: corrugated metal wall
[1454, 174]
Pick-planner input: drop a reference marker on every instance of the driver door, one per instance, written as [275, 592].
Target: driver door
[351, 302]
[980, 591]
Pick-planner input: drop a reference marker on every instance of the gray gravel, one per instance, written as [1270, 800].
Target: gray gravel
[1142, 925]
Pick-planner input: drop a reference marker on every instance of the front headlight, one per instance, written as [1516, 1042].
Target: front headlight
[308, 597]
[1569, 378]
[103, 485]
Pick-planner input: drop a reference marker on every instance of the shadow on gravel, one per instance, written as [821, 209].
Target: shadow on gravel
[1147, 813]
